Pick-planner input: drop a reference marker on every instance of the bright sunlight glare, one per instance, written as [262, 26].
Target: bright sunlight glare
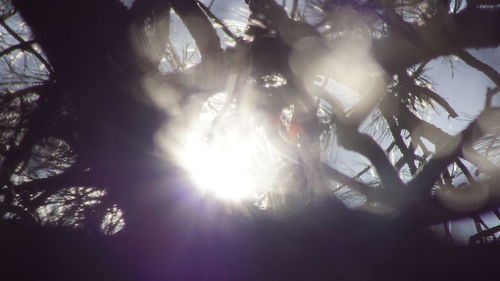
[223, 167]
[227, 158]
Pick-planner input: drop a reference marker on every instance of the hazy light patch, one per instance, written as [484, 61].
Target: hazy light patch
[346, 96]
[347, 61]
[463, 198]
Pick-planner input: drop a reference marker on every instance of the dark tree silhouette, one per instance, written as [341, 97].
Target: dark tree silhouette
[90, 88]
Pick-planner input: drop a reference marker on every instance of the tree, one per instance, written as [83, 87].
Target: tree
[83, 99]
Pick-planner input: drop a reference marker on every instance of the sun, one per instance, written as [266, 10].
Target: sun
[222, 167]
[225, 153]
[232, 166]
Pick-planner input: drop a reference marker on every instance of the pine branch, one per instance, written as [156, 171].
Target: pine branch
[479, 65]
[431, 211]
[447, 153]
[420, 128]
[382, 196]
[488, 232]
[20, 46]
[470, 28]
[199, 27]
[219, 22]
[413, 87]
[26, 45]
[351, 139]
[408, 155]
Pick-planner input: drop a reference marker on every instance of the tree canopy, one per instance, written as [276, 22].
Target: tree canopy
[120, 122]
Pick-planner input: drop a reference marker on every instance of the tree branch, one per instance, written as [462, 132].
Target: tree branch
[408, 155]
[26, 45]
[420, 128]
[353, 140]
[413, 87]
[447, 153]
[365, 189]
[69, 178]
[488, 232]
[21, 45]
[432, 211]
[7, 96]
[479, 65]
[199, 27]
[224, 28]
[470, 28]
